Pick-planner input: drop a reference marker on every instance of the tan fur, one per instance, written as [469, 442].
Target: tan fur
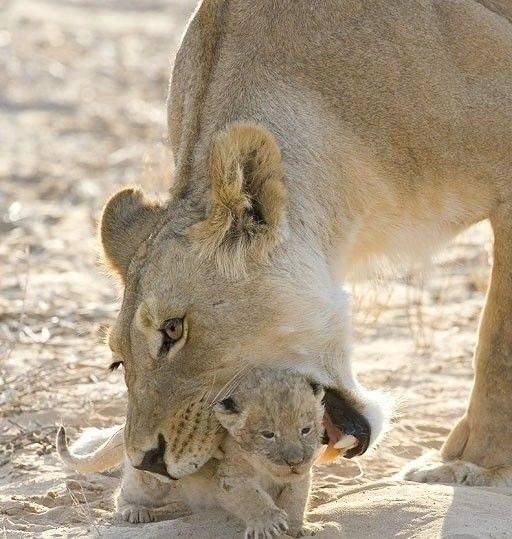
[394, 125]
[265, 483]
[193, 435]
[247, 213]
[127, 220]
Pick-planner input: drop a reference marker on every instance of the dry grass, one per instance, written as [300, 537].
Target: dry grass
[423, 294]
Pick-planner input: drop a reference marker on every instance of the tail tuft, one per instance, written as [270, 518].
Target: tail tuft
[61, 438]
[106, 449]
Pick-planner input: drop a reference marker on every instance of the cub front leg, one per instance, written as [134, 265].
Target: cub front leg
[139, 495]
[246, 499]
[294, 501]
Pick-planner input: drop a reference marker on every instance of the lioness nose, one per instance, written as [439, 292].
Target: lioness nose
[153, 460]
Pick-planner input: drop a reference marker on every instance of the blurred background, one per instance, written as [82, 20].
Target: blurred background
[82, 111]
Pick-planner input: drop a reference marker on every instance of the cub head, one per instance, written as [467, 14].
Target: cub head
[217, 279]
[276, 418]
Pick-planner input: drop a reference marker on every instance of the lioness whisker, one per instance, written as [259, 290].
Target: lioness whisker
[230, 384]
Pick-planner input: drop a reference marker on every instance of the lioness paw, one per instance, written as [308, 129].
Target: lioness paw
[270, 526]
[308, 528]
[136, 514]
[431, 468]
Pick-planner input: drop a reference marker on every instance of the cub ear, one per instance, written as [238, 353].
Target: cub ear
[228, 413]
[247, 208]
[227, 406]
[127, 220]
[318, 390]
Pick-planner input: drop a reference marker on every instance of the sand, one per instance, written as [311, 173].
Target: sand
[82, 112]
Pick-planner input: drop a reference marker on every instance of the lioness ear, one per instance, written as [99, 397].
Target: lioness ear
[246, 214]
[128, 218]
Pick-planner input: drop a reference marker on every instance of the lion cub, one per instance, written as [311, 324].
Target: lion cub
[262, 472]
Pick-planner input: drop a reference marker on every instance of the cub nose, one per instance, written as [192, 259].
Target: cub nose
[294, 461]
[153, 460]
[293, 456]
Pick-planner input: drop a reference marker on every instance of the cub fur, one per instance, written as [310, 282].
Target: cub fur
[261, 473]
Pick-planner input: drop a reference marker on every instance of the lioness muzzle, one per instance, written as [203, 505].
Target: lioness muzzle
[153, 459]
[342, 418]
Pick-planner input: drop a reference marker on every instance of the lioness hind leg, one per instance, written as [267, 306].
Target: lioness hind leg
[478, 451]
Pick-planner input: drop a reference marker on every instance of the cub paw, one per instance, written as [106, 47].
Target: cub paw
[271, 525]
[308, 528]
[136, 514]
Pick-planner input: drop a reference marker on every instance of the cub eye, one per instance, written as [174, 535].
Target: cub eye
[268, 435]
[172, 331]
[305, 431]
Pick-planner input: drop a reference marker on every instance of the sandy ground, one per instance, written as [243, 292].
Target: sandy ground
[83, 84]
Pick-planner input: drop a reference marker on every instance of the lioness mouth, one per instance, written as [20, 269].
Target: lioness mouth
[346, 429]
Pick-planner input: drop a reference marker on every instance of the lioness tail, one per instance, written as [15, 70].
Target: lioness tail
[107, 455]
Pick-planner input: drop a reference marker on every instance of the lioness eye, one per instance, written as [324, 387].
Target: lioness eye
[172, 331]
[268, 435]
[305, 431]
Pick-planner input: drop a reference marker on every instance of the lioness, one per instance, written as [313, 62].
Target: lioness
[274, 421]
[312, 139]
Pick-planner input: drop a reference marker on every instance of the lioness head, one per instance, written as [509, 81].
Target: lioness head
[221, 277]
[275, 417]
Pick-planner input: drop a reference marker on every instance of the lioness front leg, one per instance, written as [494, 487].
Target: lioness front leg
[294, 500]
[140, 495]
[478, 450]
[246, 500]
